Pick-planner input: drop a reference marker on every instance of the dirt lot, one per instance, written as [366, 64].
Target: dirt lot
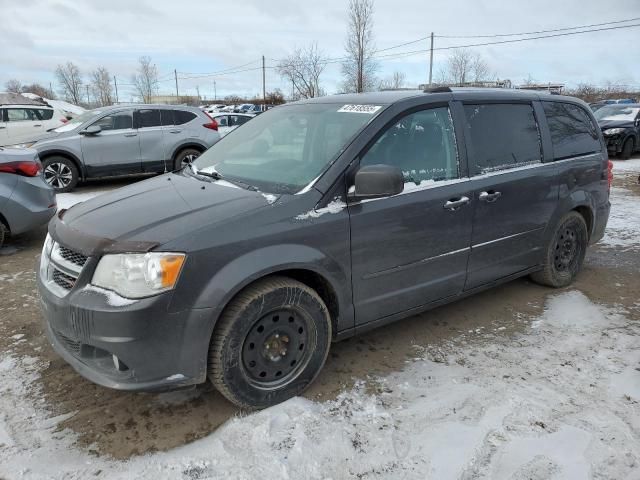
[125, 424]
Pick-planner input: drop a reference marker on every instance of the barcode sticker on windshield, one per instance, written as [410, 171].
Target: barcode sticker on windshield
[370, 109]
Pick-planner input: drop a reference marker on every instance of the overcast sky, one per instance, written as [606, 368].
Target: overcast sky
[203, 36]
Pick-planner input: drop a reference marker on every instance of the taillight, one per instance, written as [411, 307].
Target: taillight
[26, 169]
[213, 125]
[610, 172]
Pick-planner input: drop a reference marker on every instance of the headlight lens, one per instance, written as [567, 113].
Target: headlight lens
[613, 131]
[138, 275]
[21, 145]
[46, 253]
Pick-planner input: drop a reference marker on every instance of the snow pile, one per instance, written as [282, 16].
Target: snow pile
[58, 104]
[623, 228]
[559, 401]
[112, 297]
[332, 207]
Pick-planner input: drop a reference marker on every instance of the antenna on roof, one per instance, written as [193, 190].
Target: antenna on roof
[437, 90]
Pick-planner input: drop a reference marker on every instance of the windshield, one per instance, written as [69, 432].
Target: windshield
[617, 112]
[284, 149]
[77, 121]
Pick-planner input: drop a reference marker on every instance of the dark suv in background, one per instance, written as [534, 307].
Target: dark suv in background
[122, 140]
[620, 124]
[316, 221]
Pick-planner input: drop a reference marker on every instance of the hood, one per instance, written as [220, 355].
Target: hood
[604, 124]
[43, 137]
[152, 212]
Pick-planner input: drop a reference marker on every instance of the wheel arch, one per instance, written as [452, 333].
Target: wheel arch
[68, 155]
[299, 262]
[183, 146]
[580, 201]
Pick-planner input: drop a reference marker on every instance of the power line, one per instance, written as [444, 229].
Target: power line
[539, 31]
[499, 42]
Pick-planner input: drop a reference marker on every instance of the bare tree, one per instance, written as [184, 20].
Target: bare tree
[303, 69]
[101, 86]
[392, 83]
[146, 80]
[465, 66]
[359, 67]
[13, 86]
[70, 80]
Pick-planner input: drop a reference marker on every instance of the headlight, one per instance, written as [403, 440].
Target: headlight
[613, 131]
[46, 253]
[138, 275]
[21, 145]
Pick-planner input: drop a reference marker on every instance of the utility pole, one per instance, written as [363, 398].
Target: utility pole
[198, 90]
[50, 90]
[264, 90]
[88, 99]
[115, 84]
[431, 61]
[215, 93]
[175, 74]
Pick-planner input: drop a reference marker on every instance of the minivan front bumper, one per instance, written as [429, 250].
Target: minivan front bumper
[126, 345]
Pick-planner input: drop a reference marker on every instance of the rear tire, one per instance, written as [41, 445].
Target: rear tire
[60, 173]
[270, 343]
[4, 233]
[627, 149]
[185, 157]
[564, 253]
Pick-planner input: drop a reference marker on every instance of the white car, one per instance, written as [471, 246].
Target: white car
[215, 108]
[231, 121]
[20, 123]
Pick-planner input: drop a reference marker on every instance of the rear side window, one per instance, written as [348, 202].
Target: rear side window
[222, 121]
[183, 117]
[502, 136]
[235, 120]
[572, 130]
[148, 118]
[43, 114]
[166, 116]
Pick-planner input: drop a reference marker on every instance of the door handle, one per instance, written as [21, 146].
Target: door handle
[489, 196]
[456, 203]
[130, 134]
[2, 128]
[175, 131]
[38, 125]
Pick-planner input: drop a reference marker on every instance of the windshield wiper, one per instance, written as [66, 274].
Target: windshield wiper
[215, 175]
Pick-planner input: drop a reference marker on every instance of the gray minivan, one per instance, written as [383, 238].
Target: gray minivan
[123, 140]
[314, 222]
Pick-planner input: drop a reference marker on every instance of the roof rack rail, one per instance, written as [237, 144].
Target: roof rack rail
[437, 90]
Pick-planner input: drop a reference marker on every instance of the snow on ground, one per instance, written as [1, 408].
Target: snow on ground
[560, 401]
[623, 228]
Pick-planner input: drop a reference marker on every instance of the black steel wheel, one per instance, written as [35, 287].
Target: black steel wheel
[565, 252]
[270, 343]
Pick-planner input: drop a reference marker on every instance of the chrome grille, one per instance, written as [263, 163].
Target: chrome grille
[73, 257]
[63, 280]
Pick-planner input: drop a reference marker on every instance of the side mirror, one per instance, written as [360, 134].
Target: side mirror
[91, 130]
[375, 181]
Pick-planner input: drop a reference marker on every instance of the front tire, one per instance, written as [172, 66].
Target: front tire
[627, 149]
[60, 173]
[565, 252]
[270, 343]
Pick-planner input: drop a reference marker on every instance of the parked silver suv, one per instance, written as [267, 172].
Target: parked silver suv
[122, 140]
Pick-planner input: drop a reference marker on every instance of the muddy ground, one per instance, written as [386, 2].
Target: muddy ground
[125, 424]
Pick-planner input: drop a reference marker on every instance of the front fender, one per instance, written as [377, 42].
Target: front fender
[251, 266]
